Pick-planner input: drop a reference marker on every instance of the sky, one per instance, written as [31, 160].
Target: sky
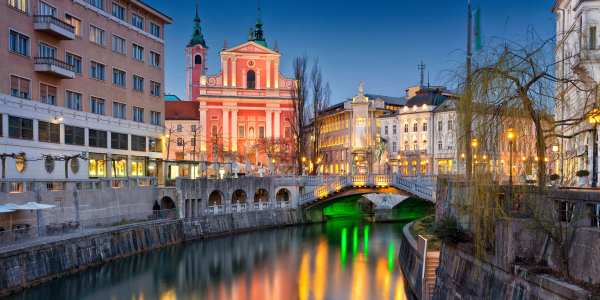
[378, 42]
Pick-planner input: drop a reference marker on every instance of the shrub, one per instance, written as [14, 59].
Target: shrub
[582, 173]
[448, 229]
[554, 177]
[423, 227]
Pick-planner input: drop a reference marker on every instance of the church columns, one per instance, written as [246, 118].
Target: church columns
[233, 72]
[277, 124]
[234, 129]
[276, 75]
[224, 68]
[206, 128]
[244, 77]
[257, 78]
[268, 73]
[269, 124]
[226, 129]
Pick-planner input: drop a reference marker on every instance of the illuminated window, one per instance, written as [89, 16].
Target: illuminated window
[405, 127]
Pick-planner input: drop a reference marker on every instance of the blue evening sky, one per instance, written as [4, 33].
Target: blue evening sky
[379, 42]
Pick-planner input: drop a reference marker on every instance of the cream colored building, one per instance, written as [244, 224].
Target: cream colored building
[81, 77]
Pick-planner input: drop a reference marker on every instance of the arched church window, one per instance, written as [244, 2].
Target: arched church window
[251, 77]
[198, 59]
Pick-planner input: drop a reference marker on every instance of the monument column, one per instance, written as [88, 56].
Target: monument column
[277, 123]
[226, 129]
[269, 124]
[234, 129]
[205, 128]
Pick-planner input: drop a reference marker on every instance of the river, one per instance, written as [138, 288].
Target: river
[340, 259]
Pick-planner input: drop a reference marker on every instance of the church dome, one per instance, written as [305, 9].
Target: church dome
[197, 37]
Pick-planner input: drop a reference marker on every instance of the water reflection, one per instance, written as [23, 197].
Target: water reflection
[303, 262]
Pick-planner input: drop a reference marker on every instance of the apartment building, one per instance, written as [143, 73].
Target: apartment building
[82, 80]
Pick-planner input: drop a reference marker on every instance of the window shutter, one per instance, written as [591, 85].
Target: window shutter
[24, 86]
[55, 133]
[14, 83]
[44, 130]
[43, 91]
[52, 91]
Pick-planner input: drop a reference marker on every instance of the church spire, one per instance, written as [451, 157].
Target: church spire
[197, 37]
[258, 33]
[225, 44]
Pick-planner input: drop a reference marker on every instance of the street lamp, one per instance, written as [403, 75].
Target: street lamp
[510, 134]
[474, 143]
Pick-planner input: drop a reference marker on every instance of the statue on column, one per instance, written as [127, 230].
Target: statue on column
[360, 88]
[381, 148]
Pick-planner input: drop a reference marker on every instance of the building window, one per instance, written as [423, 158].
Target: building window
[154, 59]
[261, 132]
[250, 79]
[119, 77]
[415, 145]
[138, 114]
[22, 5]
[592, 37]
[198, 59]
[48, 94]
[119, 44]
[98, 3]
[75, 135]
[19, 43]
[97, 138]
[138, 52]
[424, 144]
[179, 141]
[385, 130]
[241, 132]
[49, 132]
[405, 127]
[287, 133]
[138, 83]
[118, 11]
[193, 128]
[119, 110]
[154, 29]
[424, 126]
[19, 87]
[440, 125]
[440, 145]
[75, 61]
[97, 36]
[137, 21]
[75, 23]
[449, 124]
[46, 10]
[155, 118]
[118, 141]
[46, 50]
[179, 127]
[138, 143]
[155, 145]
[394, 129]
[97, 71]
[155, 88]
[406, 146]
[393, 146]
[97, 106]
[415, 127]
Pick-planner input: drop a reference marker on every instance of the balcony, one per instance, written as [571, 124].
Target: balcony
[54, 27]
[54, 67]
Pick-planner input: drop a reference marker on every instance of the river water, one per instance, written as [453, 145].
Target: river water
[340, 259]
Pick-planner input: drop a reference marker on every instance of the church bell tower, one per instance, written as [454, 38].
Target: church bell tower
[196, 59]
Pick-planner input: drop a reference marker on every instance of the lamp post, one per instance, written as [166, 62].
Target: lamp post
[474, 145]
[510, 134]
[594, 120]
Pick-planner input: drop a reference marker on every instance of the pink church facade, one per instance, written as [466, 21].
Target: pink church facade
[247, 100]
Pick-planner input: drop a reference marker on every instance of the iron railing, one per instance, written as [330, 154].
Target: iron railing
[54, 62]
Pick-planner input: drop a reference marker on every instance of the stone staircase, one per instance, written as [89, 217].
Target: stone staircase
[431, 263]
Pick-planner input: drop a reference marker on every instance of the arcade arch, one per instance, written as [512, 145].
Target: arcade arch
[261, 196]
[215, 198]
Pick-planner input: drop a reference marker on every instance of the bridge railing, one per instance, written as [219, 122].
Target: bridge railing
[420, 178]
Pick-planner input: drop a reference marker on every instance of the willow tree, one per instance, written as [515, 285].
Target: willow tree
[513, 84]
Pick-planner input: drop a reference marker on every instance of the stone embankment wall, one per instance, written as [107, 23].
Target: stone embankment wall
[411, 261]
[34, 264]
[462, 276]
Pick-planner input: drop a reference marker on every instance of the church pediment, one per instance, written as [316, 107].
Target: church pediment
[251, 47]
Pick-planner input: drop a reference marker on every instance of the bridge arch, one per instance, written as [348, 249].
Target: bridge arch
[283, 194]
[216, 198]
[261, 195]
[167, 203]
[239, 196]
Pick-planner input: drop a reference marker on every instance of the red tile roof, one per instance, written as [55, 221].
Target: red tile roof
[182, 110]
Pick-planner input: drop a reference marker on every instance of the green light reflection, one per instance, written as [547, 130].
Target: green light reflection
[343, 254]
[366, 241]
[355, 243]
[391, 257]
